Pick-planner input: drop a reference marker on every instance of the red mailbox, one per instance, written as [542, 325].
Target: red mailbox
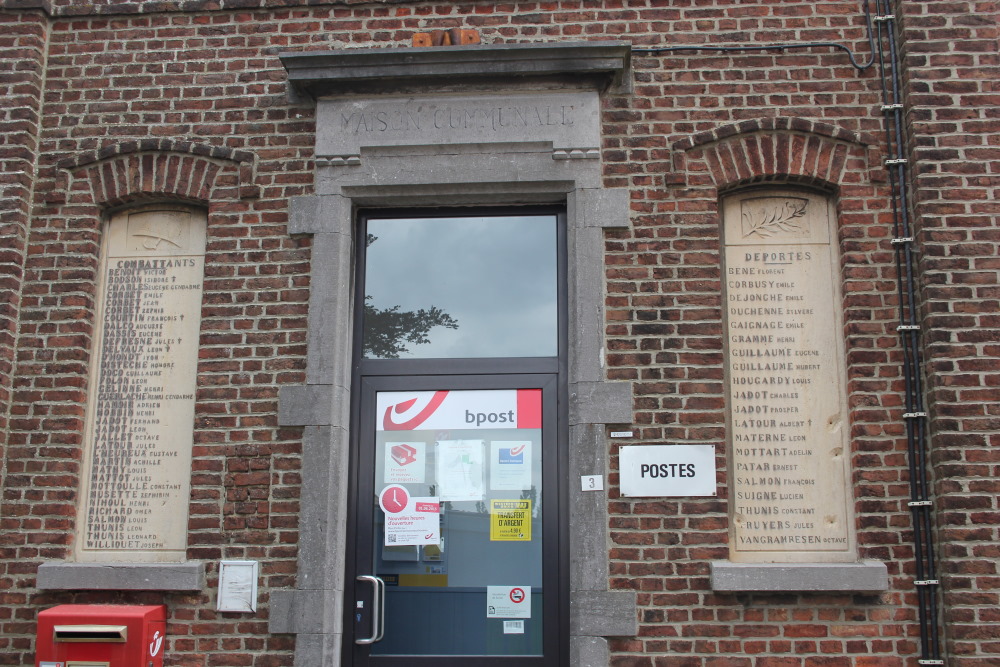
[93, 635]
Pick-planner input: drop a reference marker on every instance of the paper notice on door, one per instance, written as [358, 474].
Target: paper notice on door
[460, 469]
[510, 465]
[513, 627]
[508, 602]
[510, 520]
[405, 462]
[409, 520]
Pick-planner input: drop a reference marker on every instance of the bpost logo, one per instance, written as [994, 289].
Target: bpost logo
[512, 455]
[412, 409]
[480, 418]
[156, 644]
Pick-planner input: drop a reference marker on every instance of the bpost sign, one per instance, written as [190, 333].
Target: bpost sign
[663, 471]
[445, 410]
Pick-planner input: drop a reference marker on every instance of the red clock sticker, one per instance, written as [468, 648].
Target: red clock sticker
[393, 499]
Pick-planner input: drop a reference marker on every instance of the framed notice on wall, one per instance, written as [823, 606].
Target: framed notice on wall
[238, 586]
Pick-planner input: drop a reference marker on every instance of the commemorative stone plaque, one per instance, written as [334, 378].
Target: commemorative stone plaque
[786, 381]
[141, 404]
[567, 120]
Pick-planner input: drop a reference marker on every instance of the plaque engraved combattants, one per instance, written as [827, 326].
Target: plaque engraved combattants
[786, 380]
[140, 418]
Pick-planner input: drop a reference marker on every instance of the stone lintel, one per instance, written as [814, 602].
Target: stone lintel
[595, 65]
[189, 576]
[863, 577]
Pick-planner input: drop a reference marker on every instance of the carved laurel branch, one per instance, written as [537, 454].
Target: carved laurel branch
[779, 217]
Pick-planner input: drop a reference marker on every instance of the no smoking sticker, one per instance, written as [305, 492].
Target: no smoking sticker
[508, 602]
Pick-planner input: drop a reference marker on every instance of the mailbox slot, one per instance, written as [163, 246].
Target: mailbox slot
[96, 635]
[117, 634]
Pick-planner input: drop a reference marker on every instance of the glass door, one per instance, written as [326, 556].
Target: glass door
[456, 556]
[455, 543]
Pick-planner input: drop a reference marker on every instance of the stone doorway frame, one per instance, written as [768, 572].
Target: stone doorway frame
[407, 170]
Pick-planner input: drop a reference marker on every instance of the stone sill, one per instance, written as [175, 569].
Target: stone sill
[405, 69]
[864, 577]
[189, 576]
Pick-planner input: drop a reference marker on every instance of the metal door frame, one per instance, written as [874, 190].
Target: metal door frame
[548, 373]
[553, 495]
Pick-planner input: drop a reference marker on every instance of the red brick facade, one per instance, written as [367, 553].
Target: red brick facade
[951, 60]
[107, 104]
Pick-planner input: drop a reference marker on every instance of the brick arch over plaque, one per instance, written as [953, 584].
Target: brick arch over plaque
[162, 168]
[775, 149]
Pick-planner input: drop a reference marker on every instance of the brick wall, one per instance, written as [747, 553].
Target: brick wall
[143, 109]
[952, 67]
[700, 124]
[138, 94]
[22, 62]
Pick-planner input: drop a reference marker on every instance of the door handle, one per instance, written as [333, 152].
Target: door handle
[378, 609]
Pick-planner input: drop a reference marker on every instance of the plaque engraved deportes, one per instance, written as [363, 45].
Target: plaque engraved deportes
[786, 380]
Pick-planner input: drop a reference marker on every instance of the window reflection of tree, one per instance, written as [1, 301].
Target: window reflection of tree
[390, 331]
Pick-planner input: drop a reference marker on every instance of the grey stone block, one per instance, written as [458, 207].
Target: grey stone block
[586, 280]
[331, 313]
[603, 614]
[303, 611]
[589, 652]
[306, 405]
[588, 518]
[189, 576]
[603, 208]
[600, 403]
[324, 509]
[864, 577]
[314, 214]
[318, 650]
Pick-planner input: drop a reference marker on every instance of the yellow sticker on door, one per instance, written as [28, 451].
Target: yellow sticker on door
[510, 520]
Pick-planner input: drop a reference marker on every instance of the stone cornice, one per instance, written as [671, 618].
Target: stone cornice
[581, 65]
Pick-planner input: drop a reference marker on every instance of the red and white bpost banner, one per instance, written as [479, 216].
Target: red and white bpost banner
[465, 409]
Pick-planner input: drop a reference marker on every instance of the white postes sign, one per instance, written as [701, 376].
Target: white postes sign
[657, 471]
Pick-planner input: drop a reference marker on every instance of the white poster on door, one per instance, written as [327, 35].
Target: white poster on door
[510, 465]
[409, 520]
[460, 469]
[405, 462]
[508, 602]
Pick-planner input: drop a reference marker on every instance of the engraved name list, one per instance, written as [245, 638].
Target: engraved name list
[785, 381]
[141, 408]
